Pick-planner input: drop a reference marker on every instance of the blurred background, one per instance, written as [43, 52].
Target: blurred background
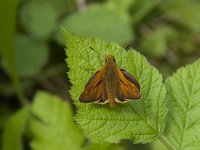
[32, 56]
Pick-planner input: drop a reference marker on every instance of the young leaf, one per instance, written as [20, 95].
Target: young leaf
[182, 125]
[13, 130]
[53, 126]
[142, 120]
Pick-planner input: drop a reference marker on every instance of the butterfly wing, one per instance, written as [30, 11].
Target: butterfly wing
[94, 91]
[128, 87]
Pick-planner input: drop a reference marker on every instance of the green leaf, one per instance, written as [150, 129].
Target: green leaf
[157, 145]
[99, 22]
[41, 23]
[182, 126]
[61, 6]
[30, 55]
[142, 120]
[55, 128]
[103, 146]
[121, 7]
[13, 130]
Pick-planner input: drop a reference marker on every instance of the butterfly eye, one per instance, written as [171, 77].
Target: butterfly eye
[114, 59]
[106, 60]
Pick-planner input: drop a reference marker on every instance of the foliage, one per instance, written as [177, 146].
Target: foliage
[182, 127]
[13, 131]
[48, 114]
[139, 121]
[166, 36]
[135, 121]
[56, 124]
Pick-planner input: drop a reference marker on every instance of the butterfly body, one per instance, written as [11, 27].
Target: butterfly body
[110, 85]
[111, 81]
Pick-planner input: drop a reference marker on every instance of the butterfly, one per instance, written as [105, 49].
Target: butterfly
[110, 85]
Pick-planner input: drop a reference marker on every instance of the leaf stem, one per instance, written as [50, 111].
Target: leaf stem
[165, 142]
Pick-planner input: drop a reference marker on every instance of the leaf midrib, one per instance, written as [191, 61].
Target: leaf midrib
[187, 107]
[145, 121]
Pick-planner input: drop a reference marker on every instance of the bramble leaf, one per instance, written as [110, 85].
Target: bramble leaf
[183, 123]
[142, 120]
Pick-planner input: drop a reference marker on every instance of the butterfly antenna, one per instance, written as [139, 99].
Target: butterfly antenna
[127, 47]
[100, 56]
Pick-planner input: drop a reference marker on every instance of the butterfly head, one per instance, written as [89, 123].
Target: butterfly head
[110, 59]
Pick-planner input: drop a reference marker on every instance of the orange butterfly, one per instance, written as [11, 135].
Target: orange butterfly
[110, 85]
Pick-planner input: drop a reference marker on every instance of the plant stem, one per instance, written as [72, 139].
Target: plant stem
[18, 88]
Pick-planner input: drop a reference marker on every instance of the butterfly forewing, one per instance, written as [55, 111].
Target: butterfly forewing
[128, 87]
[130, 78]
[94, 91]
